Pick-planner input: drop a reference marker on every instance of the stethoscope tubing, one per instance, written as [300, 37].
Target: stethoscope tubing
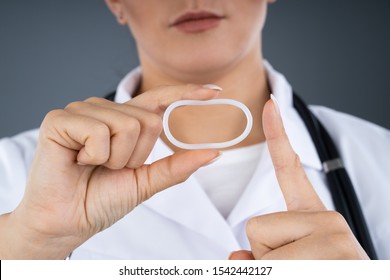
[339, 183]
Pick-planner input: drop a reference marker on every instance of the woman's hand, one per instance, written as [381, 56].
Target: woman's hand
[306, 230]
[89, 171]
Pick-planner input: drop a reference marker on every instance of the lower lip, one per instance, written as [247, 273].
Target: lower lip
[199, 25]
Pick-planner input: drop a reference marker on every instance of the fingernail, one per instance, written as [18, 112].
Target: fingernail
[214, 159]
[80, 163]
[214, 87]
[276, 103]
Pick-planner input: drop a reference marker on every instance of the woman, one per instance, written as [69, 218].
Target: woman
[96, 161]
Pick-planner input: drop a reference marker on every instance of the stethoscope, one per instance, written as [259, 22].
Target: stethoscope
[340, 185]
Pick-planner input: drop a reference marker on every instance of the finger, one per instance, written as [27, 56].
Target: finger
[314, 247]
[158, 99]
[124, 131]
[171, 170]
[302, 235]
[151, 127]
[269, 232]
[86, 138]
[241, 255]
[297, 190]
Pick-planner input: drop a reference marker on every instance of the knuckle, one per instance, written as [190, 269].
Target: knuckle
[336, 233]
[100, 130]
[95, 100]
[191, 86]
[131, 127]
[337, 220]
[292, 161]
[154, 124]
[296, 161]
[74, 106]
[53, 115]
[49, 122]
[331, 220]
[97, 158]
[133, 164]
[126, 128]
[99, 143]
[251, 226]
[189, 89]
[114, 164]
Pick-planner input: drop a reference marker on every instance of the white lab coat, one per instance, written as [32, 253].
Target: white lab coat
[182, 223]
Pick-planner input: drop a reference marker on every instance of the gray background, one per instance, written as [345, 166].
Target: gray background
[334, 53]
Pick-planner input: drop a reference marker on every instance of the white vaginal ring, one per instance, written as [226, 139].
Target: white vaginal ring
[217, 145]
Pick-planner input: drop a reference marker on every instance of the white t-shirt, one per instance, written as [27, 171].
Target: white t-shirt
[226, 179]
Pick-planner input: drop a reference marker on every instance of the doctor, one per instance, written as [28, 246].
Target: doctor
[83, 184]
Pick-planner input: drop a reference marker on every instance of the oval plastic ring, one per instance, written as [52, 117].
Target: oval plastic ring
[217, 145]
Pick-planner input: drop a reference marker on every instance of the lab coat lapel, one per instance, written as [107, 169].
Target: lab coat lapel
[188, 205]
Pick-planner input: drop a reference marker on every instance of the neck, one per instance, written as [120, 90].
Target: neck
[244, 81]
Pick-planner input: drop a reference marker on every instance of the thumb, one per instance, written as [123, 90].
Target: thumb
[171, 170]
